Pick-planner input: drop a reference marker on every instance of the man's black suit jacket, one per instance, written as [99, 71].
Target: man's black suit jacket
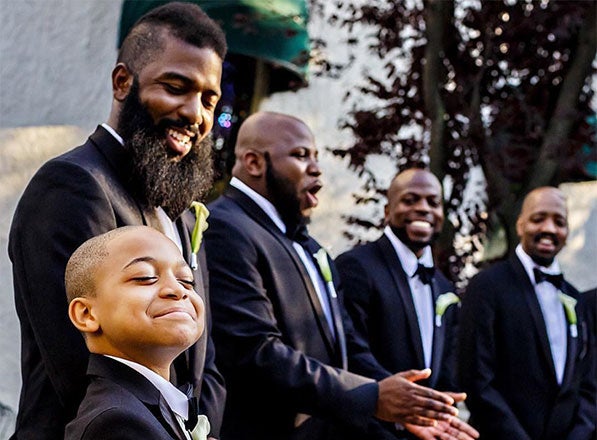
[121, 404]
[506, 367]
[78, 195]
[379, 301]
[274, 346]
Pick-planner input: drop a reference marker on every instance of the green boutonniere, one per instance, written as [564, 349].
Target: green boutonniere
[201, 214]
[321, 257]
[441, 305]
[569, 304]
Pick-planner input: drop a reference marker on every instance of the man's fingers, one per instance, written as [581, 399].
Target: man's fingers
[420, 420]
[415, 375]
[458, 397]
[464, 427]
[436, 397]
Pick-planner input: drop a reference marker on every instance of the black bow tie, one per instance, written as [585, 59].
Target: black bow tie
[541, 276]
[193, 402]
[425, 273]
[299, 234]
[191, 421]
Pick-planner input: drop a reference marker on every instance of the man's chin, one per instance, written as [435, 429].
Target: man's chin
[543, 260]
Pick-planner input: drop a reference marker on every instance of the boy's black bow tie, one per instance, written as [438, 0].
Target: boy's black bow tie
[191, 422]
[555, 279]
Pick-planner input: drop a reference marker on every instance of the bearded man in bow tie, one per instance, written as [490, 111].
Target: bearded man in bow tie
[525, 361]
[280, 328]
[391, 288]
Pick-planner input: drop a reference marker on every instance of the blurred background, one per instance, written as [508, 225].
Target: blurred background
[496, 97]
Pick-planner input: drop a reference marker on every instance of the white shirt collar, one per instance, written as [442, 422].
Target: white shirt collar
[113, 133]
[407, 257]
[529, 264]
[176, 399]
[261, 201]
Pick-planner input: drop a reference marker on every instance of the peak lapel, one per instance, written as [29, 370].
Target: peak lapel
[401, 282]
[530, 296]
[255, 212]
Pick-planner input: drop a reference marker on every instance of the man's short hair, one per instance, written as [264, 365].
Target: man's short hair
[81, 267]
[184, 21]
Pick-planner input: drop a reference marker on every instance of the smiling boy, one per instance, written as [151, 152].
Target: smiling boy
[131, 295]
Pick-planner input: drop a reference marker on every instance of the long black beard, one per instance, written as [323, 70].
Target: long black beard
[157, 179]
[284, 197]
[414, 246]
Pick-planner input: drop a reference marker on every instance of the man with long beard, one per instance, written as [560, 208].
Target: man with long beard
[393, 290]
[143, 167]
[285, 344]
[526, 355]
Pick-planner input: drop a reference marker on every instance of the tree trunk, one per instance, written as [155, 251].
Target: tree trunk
[544, 171]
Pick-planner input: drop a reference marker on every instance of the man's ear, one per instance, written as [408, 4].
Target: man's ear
[519, 228]
[254, 163]
[122, 81]
[81, 314]
[386, 211]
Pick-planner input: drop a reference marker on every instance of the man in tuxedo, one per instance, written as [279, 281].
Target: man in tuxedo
[391, 286]
[143, 167]
[284, 340]
[130, 294]
[525, 355]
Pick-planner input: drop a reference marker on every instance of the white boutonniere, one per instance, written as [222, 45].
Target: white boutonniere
[201, 429]
[569, 304]
[201, 214]
[441, 305]
[321, 257]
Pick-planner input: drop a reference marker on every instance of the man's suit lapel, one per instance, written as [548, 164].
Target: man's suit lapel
[572, 346]
[256, 213]
[439, 335]
[400, 279]
[532, 302]
[313, 247]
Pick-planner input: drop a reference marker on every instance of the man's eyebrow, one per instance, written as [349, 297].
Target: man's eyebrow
[174, 76]
[140, 260]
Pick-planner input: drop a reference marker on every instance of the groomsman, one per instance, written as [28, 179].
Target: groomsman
[281, 332]
[525, 355]
[399, 302]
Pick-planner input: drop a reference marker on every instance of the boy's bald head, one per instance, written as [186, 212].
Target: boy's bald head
[82, 265]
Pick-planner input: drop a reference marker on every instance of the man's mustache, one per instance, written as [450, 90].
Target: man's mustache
[165, 123]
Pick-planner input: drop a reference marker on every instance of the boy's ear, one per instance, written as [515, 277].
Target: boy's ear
[80, 312]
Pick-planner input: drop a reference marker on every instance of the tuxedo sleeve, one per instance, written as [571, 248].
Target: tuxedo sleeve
[250, 342]
[478, 363]
[61, 208]
[356, 288]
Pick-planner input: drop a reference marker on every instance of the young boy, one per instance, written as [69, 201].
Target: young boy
[131, 295]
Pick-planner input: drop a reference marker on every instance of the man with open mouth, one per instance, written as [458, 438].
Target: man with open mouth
[294, 367]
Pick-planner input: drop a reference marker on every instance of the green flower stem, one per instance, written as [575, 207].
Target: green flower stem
[322, 260]
[201, 214]
[569, 304]
[441, 305]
